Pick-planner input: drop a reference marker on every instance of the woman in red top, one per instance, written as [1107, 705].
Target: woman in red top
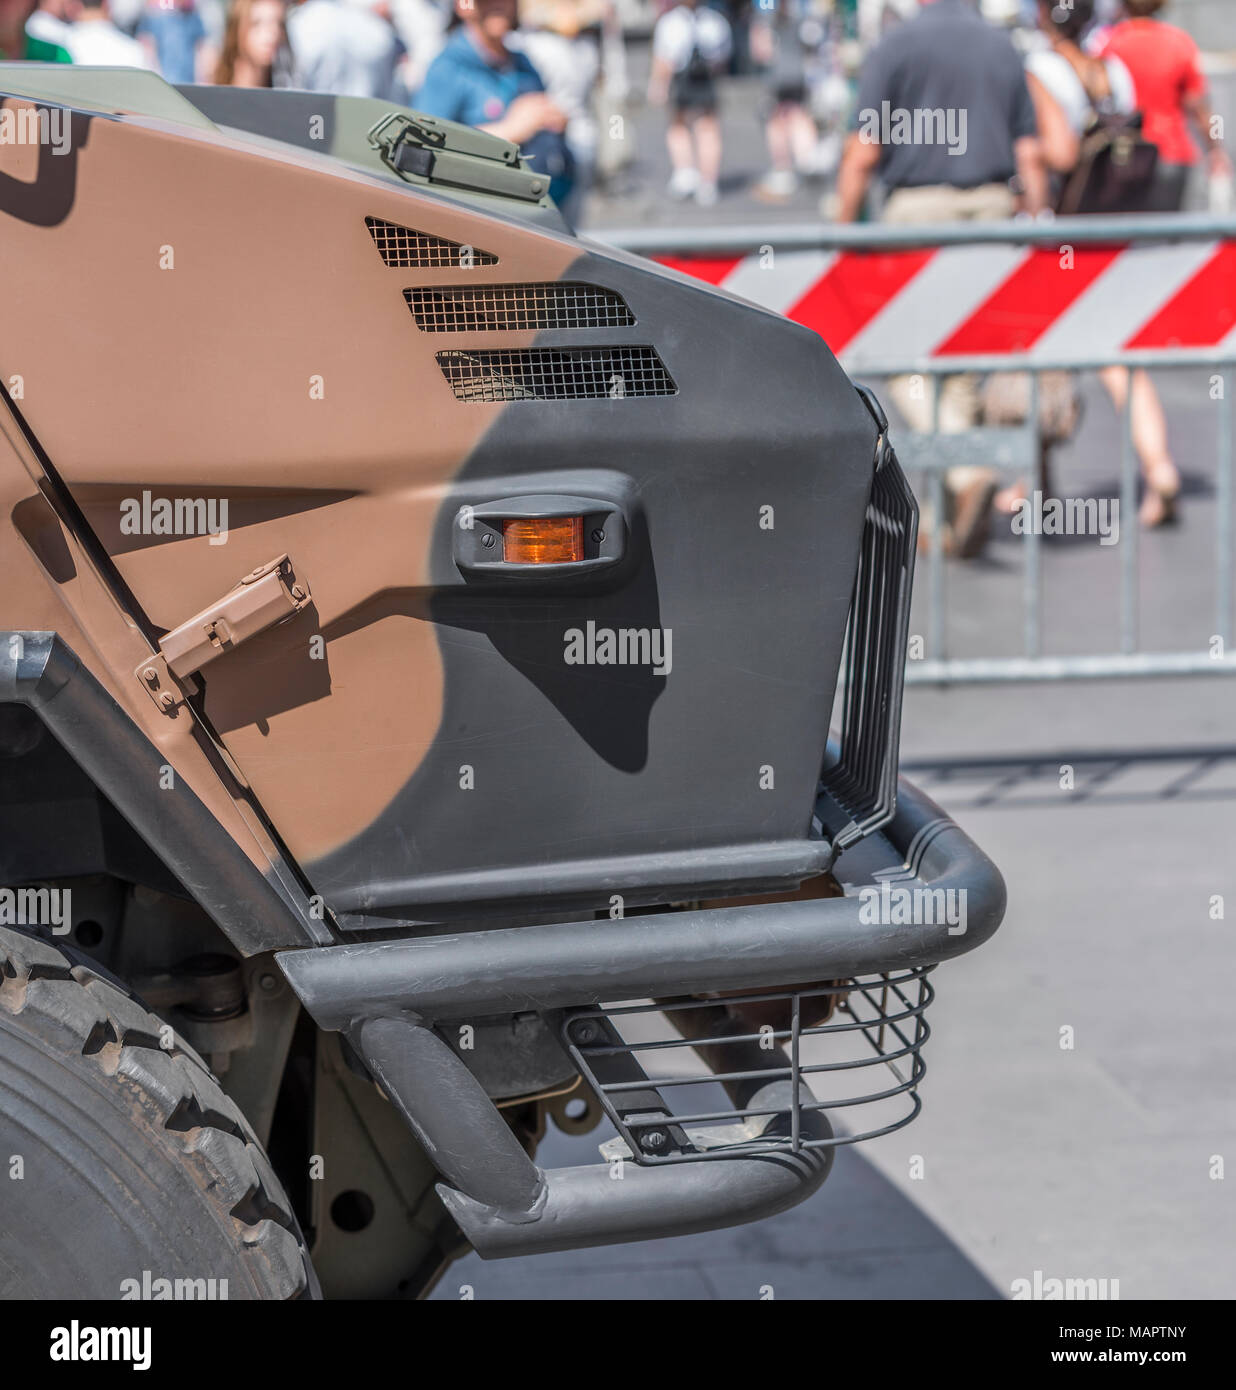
[1171, 92]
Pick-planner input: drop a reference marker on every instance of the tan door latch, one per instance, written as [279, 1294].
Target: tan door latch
[270, 595]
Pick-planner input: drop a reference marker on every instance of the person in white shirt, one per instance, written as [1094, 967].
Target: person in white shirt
[421, 26]
[1058, 70]
[690, 46]
[343, 49]
[93, 40]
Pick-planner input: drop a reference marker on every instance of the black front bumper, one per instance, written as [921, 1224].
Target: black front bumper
[388, 995]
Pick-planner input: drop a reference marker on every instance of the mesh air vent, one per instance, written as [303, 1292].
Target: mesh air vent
[498, 308]
[404, 248]
[556, 374]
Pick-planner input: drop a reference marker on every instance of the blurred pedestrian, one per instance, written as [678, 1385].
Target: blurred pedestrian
[690, 46]
[870, 20]
[255, 35]
[126, 14]
[18, 44]
[560, 38]
[738, 15]
[777, 44]
[1107, 13]
[1072, 87]
[93, 40]
[345, 50]
[616, 132]
[421, 26]
[1172, 96]
[175, 36]
[944, 117]
[50, 22]
[481, 80]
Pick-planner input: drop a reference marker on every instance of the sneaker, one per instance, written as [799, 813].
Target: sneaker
[777, 186]
[683, 183]
[706, 195]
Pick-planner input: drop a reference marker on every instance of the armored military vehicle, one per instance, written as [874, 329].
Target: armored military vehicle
[420, 634]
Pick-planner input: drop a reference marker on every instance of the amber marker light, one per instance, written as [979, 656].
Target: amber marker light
[544, 540]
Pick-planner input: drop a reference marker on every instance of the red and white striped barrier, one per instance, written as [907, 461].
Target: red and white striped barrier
[1058, 304]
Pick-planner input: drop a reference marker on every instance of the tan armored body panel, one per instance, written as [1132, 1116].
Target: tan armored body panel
[232, 350]
[230, 332]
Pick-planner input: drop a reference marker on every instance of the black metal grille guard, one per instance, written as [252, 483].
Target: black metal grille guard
[776, 1109]
[862, 781]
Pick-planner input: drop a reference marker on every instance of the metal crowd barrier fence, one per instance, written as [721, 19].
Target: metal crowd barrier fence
[1154, 291]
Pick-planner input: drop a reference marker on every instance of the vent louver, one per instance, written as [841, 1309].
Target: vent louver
[405, 249]
[510, 308]
[556, 374]
[863, 782]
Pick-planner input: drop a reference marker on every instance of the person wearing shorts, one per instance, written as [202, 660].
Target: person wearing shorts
[777, 42]
[690, 45]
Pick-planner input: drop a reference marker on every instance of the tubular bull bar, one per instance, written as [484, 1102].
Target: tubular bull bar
[1180, 265]
[388, 997]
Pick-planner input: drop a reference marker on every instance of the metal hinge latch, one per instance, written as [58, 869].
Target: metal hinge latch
[271, 594]
[416, 146]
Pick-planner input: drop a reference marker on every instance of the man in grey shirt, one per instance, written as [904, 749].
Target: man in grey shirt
[943, 105]
[944, 117]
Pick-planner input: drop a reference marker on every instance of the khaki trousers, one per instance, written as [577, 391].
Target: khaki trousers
[959, 406]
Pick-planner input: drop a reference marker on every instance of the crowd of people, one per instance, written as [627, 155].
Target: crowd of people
[554, 76]
[1102, 110]
[530, 74]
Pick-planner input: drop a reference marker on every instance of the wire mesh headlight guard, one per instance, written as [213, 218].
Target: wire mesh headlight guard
[786, 1060]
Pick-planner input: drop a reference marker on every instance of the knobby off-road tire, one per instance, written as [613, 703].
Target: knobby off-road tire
[132, 1158]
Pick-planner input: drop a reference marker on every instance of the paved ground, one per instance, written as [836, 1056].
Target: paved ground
[1092, 1162]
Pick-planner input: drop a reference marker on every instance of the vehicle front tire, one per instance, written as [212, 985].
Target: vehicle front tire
[122, 1162]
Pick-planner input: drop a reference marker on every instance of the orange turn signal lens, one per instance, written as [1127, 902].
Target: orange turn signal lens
[547, 540]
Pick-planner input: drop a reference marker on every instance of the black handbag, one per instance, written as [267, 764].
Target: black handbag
[1116, 167]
